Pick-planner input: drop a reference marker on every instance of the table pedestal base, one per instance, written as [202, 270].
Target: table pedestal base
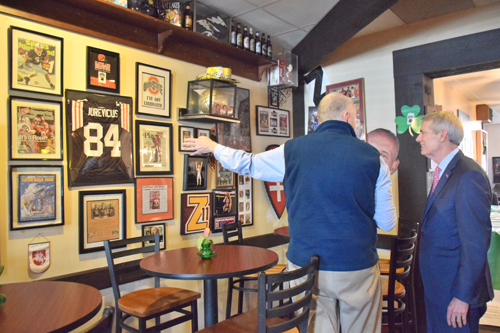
[210, 299]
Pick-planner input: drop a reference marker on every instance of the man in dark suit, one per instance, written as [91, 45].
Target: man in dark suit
[456, 231]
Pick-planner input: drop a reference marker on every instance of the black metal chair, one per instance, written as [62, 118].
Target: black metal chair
[230, 231]
[278, 310]
[147, 303]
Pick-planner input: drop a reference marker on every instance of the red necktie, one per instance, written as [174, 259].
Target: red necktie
[435, 181]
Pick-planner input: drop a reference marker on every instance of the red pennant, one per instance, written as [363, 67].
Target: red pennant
[276, 192]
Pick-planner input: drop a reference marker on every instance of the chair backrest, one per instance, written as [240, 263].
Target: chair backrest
[123, 273]
[294, 313]
[232, 230]
[402, 258]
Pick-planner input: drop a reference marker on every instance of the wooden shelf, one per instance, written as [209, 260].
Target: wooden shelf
[104, 20]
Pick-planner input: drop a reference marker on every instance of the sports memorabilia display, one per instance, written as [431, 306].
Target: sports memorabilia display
[276, 192]
[153, 90]
[99, 135]
[103, 70]
[196, 213]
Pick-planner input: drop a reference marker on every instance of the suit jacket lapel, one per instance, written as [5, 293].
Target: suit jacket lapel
[442, 181]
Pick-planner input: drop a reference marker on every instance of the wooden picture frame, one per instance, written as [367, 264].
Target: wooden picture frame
[195, 172]
[153, 91]
[196, 211]
[36, 196]
[103, 216]
[223, 177]
[154, 199]
[99, 138]
[496, 169]
[103, 70]
[237, 136]
[153, 148]
[224, 202]
[35, 131]
[354, 89]
[35, 62]
[273, 122]
[151, 229]
[245, 199]
[186, 132]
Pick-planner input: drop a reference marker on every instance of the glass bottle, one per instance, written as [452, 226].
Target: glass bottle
[188, 18]
[258, 45]
[252, 41]
[269, 47]
[233, 34]
[246, 39]
[264, 46]
[239, 37]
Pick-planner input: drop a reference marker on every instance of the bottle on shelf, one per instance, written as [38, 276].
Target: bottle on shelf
[264, 46]
[252, 41]
[233, 35]
[239, 37]
[258, 45]
[269, 47]
[188, 18]
[246, 39]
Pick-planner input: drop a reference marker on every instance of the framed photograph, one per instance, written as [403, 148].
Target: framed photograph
[202, 132]
[195, 172]
[153, 90]
[151, 229]
[354, 89]
[103, 216]
[35, 62]
[312, 119]
[273, 122]
[36, 196]
[237, 136]
[224, 202]
[153, 148]
[219, 221]
[99, 138]
[245, 199]
[35, 129]
[196, 211]
[185, 132]
[223, 177]
[496, 169]
[154, 198]
[103, 70]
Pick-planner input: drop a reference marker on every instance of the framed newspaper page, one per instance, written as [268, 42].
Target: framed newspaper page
[103, 216]
[153, 148]
[35, 129]
[99, 138]
[36, 196]
[154, 198]
[153, 90]
[103, 70]
[35, 62]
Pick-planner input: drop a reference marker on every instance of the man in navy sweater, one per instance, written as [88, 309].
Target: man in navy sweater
[338, 191]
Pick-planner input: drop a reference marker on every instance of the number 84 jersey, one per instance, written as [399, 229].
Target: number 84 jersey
[99, 138]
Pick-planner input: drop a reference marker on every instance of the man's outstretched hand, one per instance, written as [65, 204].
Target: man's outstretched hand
[201, 145]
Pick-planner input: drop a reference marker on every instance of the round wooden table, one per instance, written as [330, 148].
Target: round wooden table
[228, 261]
[282, 231]
[47, 306]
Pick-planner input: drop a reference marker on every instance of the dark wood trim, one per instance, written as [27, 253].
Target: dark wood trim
[345, 20]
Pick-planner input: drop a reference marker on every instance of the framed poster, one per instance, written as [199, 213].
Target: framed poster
[196, 211]
[312, 119]
[496, 169]
[36, 196]
[35, 129]
[224, 202]
[273, 122]
[223, 177]
[153, 148]
[195, 173]
[185, 132]
[237, 136]
[103, 70]
[151, 229]
[103, 216]
[35, 62]
[245, 200]
[154, 199]
[153, 90]
[99, 138]
[354, 89]
[219, 221]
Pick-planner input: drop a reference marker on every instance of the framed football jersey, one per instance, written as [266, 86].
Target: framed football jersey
[99, 132]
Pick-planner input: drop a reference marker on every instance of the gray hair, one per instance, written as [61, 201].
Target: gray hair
[388, 134]
[333, 106]
[444, 120]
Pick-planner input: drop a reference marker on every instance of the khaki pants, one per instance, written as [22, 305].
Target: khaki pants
[351, 300]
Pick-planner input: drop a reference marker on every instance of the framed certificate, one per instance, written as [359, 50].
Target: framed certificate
[154, 199]
[153, 148]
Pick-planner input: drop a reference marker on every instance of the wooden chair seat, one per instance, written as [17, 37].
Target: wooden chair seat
[279, 268]
[146, 302]
[385, 265]
[399, 290]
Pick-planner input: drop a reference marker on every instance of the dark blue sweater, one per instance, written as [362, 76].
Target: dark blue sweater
[330, 179]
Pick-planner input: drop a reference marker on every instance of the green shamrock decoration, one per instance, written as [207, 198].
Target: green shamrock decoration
[410, 120]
